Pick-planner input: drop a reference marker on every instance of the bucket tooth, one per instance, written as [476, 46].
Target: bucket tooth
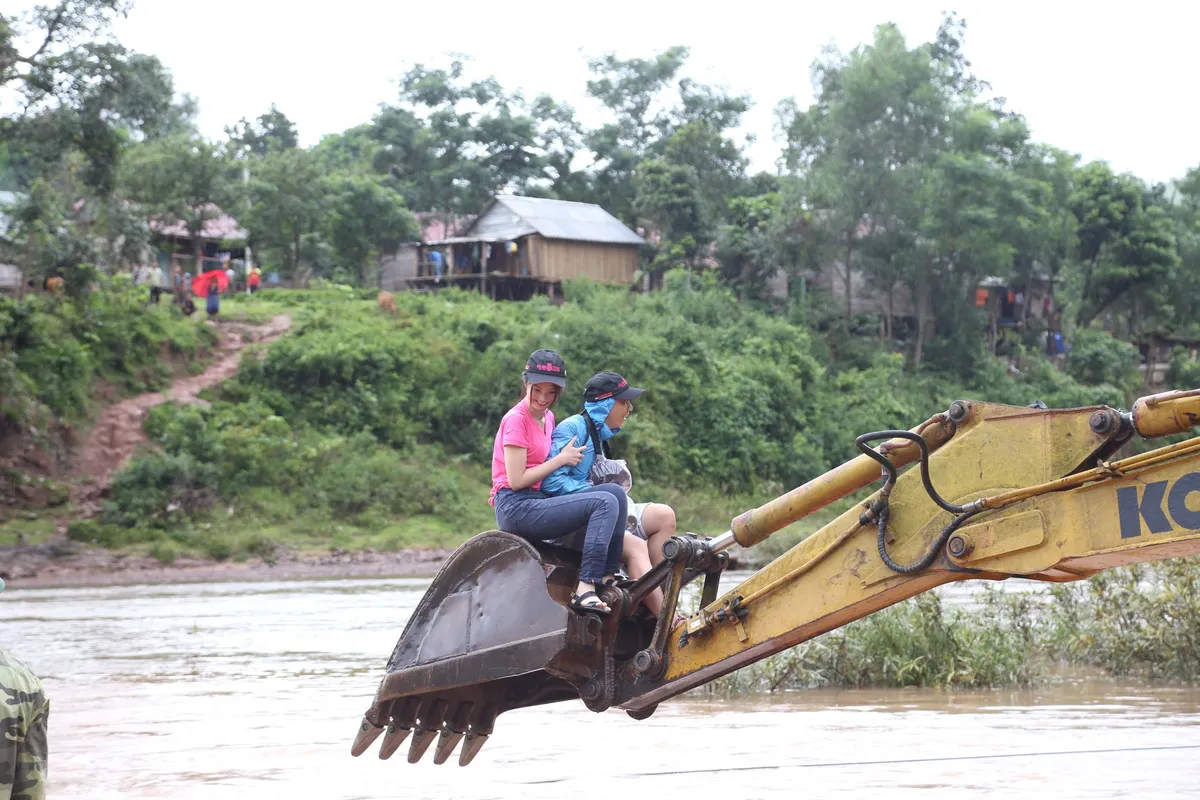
[392, 740]
[471, 746]
[421, 740]
[446, 744]
[367, 733]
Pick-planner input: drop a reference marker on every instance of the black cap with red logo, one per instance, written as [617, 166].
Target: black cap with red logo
[546, 366]
[604, 385]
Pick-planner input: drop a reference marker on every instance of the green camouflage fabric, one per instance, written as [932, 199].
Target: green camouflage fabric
[24, 721]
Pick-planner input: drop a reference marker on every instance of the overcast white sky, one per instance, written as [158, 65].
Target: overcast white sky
[1117, 85]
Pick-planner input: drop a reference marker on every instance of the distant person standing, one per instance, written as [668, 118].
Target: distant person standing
[435, 258]
[214, 297]
[24, 726]
[156, 284]
[254, 279]
[230, 273]
[177, 284]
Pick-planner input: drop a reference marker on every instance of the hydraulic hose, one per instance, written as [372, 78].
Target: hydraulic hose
[862, 443]
[880, 508]
[931, 554]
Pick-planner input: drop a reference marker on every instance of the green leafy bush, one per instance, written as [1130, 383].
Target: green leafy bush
[1140, 620]
[364, 419]
[165, 552]
[156, 486]
[92, 532]
[52, 348]
[1098, 357]
[916, 643]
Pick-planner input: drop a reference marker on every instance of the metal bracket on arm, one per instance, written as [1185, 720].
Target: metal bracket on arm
[680, 554]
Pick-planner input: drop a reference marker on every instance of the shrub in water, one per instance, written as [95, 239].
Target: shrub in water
[915, 643]
[1140, 620]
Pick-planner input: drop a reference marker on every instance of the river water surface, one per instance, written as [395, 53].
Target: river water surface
[247, 690]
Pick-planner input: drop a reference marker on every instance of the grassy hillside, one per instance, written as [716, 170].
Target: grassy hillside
[61, 359]
[361, 429]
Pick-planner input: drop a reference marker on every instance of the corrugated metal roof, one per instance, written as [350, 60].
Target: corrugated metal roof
[510, 216]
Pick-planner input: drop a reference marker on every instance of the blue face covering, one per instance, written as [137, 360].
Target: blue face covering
[599, 411]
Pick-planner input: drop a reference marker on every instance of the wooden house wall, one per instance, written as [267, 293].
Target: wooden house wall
[394, 270]
[559, 259]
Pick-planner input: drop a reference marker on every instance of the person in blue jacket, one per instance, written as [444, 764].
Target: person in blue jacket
[607, 403]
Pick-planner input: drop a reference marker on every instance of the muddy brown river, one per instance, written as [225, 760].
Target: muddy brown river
[247, 690]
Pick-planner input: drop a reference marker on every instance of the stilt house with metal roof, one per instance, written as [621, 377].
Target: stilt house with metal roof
[520, 246]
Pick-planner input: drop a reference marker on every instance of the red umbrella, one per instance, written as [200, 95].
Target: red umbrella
[201, 282]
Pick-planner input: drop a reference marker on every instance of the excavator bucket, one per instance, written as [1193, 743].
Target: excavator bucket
[492, 633]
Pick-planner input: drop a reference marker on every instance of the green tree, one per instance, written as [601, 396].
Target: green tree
[746, 247]
[1128, 269]
[272, 130]
[77, 100]
[630, 89]
[976, 207]
[861, 148]
[452, 143]
[366, 219]
[912, 181]
[287, 195]
[352, 150]
[687, 130]
[667, 200]
[78, 92]
[1048, 240]
[177, 179]
[1185, 284]
[1137, 278]
[1104, 205]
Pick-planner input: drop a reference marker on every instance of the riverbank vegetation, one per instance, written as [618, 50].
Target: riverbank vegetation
[56, 351]
[387, 421]
[1142, 621]
[62, 358]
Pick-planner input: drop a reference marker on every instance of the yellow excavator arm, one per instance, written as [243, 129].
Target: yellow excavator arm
[988, 492]
[1006, 492]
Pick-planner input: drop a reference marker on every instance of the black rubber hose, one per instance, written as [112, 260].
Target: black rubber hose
[883, 509]
[862, 442]
[927, 559]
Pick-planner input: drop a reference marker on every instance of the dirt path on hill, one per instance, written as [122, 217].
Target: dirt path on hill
[118, 433]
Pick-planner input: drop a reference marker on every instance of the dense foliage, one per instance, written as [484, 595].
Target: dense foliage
[917, 643]
[1144, 620]
[384, 419]
[904, 175]
[52, 350]
[1140, 621]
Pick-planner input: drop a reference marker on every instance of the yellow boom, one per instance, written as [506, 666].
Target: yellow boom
[990, 492]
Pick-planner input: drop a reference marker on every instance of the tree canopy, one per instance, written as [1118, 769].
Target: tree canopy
[905, 179]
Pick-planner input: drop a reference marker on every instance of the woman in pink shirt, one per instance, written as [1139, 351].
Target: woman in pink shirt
[519, 464]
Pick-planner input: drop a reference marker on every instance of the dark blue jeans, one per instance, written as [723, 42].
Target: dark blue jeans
[536, 515]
